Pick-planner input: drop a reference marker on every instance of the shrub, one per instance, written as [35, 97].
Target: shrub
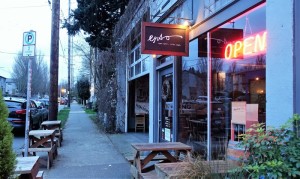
[273, 153]
[7, 155]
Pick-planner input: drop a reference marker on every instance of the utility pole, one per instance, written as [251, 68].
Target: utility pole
[54, 59]
[69, 59]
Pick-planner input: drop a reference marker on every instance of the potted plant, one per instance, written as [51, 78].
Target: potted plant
[7, 155]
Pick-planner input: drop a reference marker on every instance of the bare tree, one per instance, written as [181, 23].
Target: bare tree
[40, 75]
[86, 54]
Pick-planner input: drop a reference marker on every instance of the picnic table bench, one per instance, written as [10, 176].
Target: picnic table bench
[54, 125]
[175, 170]
[142, 157]
[170, 150]
[42, 141]
[28, 168]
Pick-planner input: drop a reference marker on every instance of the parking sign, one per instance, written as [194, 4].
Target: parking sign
[29, 39]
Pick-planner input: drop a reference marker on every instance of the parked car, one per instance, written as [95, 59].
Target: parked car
[17, 113]
[63, 101]
[42, 110]
[45, 101]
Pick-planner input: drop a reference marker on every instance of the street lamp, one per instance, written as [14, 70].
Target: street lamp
[62, 91]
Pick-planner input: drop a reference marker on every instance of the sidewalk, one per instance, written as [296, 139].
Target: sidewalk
[87, 152]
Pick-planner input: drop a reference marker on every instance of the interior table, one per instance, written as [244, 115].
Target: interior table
[170, 150]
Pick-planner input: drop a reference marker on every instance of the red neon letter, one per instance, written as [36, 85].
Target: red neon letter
[248, 43]
[228, 51]
[238, 45]
[260, 44]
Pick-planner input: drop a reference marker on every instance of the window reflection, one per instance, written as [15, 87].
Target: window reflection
[237, 84]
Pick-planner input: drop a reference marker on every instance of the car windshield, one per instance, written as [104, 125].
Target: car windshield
[13, 104]
[45, 101]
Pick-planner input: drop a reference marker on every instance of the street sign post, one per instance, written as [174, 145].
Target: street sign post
[29, 39]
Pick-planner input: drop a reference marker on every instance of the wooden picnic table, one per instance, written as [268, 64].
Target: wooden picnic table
[54, 125]
[42, 141]
[27, 167]
[171, 151]
[41, 138]
[51, 124]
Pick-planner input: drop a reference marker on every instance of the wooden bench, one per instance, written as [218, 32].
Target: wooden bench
[156, 158]
[172, 170]
[52, 153]
[40, 175]
[149, 175]
[59, 137]
[54, 125]
[169, 170]
[26, 167]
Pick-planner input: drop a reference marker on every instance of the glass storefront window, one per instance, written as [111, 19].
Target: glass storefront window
[137, 54]
[138, 68]
[131, 58]
[213, 6]
[238, 92]
[131, 72]
[164, 59]
[138, 63]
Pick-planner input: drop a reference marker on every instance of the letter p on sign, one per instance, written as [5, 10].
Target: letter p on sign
[29, 38]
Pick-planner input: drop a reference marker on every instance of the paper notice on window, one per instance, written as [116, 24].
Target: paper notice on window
[238, 111]
[167, 134]
[252, 112]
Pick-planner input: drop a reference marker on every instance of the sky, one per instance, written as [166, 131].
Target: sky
[19, 16]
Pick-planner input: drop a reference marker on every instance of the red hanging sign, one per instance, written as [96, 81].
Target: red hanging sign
[164, 39]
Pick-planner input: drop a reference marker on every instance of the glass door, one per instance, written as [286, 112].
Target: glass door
[166, 106]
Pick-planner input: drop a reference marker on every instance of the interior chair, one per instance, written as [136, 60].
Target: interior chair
[140, 123]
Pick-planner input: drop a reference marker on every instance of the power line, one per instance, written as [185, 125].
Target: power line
[11, 53]
[62, 48]
[8, 53]
[21, 7]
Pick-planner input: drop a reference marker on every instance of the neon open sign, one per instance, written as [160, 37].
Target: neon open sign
[252, 45]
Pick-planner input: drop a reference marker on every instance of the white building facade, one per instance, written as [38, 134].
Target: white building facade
[2, 84]
[242, 68]
[11, 87]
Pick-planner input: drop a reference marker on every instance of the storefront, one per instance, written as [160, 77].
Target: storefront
[215, 93]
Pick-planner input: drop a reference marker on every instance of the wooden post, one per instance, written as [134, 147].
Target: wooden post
[54, 59]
